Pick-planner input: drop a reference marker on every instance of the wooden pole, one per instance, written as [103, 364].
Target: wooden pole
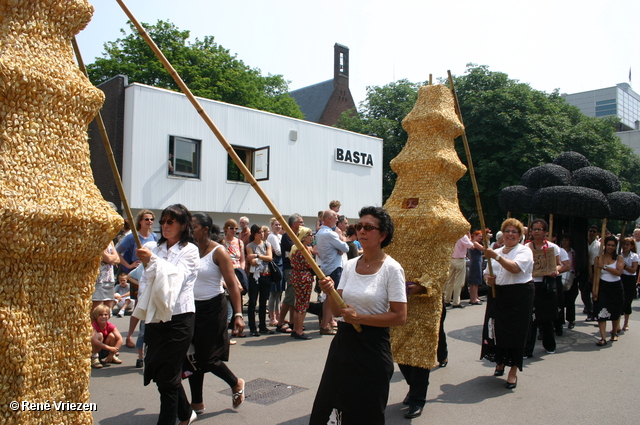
[551, 227]
[596, 272]
[232, 153]
[624, 229]
[110, 157]
[472, 173]
[430, 79]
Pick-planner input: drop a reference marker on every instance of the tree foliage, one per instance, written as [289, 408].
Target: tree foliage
[510, 128]
[208, 69]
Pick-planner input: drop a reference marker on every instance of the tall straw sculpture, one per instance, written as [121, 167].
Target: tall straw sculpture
[428, 169]
[55, 224]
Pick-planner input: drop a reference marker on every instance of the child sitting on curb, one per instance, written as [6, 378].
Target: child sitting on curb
[122, 294]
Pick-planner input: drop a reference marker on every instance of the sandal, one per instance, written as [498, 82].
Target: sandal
[614, 337]
[240, 335]
[283, 329]
[601, 343]
[626, 328]
[238, 397]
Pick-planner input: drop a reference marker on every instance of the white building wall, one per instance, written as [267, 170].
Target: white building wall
[304, 176]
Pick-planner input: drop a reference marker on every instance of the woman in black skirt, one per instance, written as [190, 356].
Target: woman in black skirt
[210, 337]
[507, 317]
[608, 305]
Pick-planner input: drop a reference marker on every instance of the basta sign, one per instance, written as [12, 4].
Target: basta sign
[355, 157]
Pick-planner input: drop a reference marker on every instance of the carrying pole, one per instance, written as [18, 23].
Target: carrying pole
[596, 272]
[485, 238]
[232, 153]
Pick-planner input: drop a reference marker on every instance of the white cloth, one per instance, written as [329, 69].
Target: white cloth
[523, 256]
[594, 251]
[629, 260]
[274, 240]
[208, 284]
[606, 275]
[372, 293]
[166, 285]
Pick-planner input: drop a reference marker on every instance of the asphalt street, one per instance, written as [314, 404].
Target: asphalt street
[579, 384]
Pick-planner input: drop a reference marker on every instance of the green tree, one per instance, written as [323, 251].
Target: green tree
[510, 127]
[208, 69]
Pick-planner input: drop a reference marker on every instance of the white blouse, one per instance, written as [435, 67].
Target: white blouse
[523, 256]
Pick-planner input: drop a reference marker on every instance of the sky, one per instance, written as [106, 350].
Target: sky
[568, 45]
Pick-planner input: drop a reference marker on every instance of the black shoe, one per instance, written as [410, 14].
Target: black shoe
[447, 304]
[139, 363]
[413, 412]
[254, 333]
[498, 372]
[300, 336]
[590, 319]
[527, 356]
[453, 306]
[267, 331]
[511, 385]
[571, 325]
[559, 332]
[406, 400]
[444, 363]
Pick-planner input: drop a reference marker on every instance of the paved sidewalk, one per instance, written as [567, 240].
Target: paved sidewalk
[580, 384]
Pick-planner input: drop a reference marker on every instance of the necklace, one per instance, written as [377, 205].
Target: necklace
[203, 251]
[368, 264]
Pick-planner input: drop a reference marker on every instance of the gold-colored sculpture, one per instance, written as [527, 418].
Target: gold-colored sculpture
[425, 211]
[54, 224]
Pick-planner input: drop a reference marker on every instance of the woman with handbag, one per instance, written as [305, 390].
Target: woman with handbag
[259, 255]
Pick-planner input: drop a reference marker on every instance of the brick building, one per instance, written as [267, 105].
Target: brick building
[324, 102]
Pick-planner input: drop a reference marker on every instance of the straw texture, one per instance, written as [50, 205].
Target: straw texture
[55, 224]
[428, 169]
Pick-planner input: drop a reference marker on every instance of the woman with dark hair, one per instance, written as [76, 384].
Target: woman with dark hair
[608, 306]
[210, 336]
[475, 268]
[172, 268]
[631, 259]
[507, 317]
[258, 255]
[359, 366]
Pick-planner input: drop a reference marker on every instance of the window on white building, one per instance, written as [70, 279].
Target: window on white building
[256, 160]
[184, 157]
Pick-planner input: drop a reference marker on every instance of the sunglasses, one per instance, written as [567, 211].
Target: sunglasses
[167, 222]
[232, 228]
[366, 227]
[148, 219]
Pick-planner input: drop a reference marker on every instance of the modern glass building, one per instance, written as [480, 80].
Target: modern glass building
[620, 101]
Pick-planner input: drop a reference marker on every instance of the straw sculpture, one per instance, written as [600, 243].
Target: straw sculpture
[428, 169]
[55, 224]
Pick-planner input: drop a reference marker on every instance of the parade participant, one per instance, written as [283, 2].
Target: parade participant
[210, 336]
[608, 305]
[359, 366]
[475, 268]
[631, 259]
[173, 263]
[508, 315]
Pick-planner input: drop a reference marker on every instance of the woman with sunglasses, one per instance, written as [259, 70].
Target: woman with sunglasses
[608, 306]
[210, 337]
[259, 255]
[359, 366]
[506, 322]
[172, 268]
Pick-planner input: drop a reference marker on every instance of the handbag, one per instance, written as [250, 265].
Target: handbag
[276, 273]
[550, 283]
[567, 280]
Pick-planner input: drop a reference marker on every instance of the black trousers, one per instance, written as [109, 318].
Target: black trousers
[548, 336]
[258, 290]
[585, 294]
[167, 345]
[570, 302]
[418, 380]
[443, 352]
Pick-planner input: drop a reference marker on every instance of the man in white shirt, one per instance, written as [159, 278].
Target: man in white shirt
[587, 284]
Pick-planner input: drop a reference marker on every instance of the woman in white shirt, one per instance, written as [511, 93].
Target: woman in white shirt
[355, 381]
[608, 305]
[507, 316]
[173, 264]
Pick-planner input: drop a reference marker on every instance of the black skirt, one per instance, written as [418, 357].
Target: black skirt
[210, 336]
[509, 314]
[356, 377]
[629, 287]
[608, 306]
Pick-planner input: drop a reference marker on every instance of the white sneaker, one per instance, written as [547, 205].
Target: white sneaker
[121, 313]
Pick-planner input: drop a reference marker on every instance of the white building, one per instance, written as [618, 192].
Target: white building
[167, 154]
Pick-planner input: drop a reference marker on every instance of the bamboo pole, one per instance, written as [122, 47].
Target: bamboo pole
[110, 157]
[624, 229]
[472, 173]
[551, 227]
[596, 274]
[236, 159]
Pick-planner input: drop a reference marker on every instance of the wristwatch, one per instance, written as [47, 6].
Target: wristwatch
[237, 315]
[498, 257]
